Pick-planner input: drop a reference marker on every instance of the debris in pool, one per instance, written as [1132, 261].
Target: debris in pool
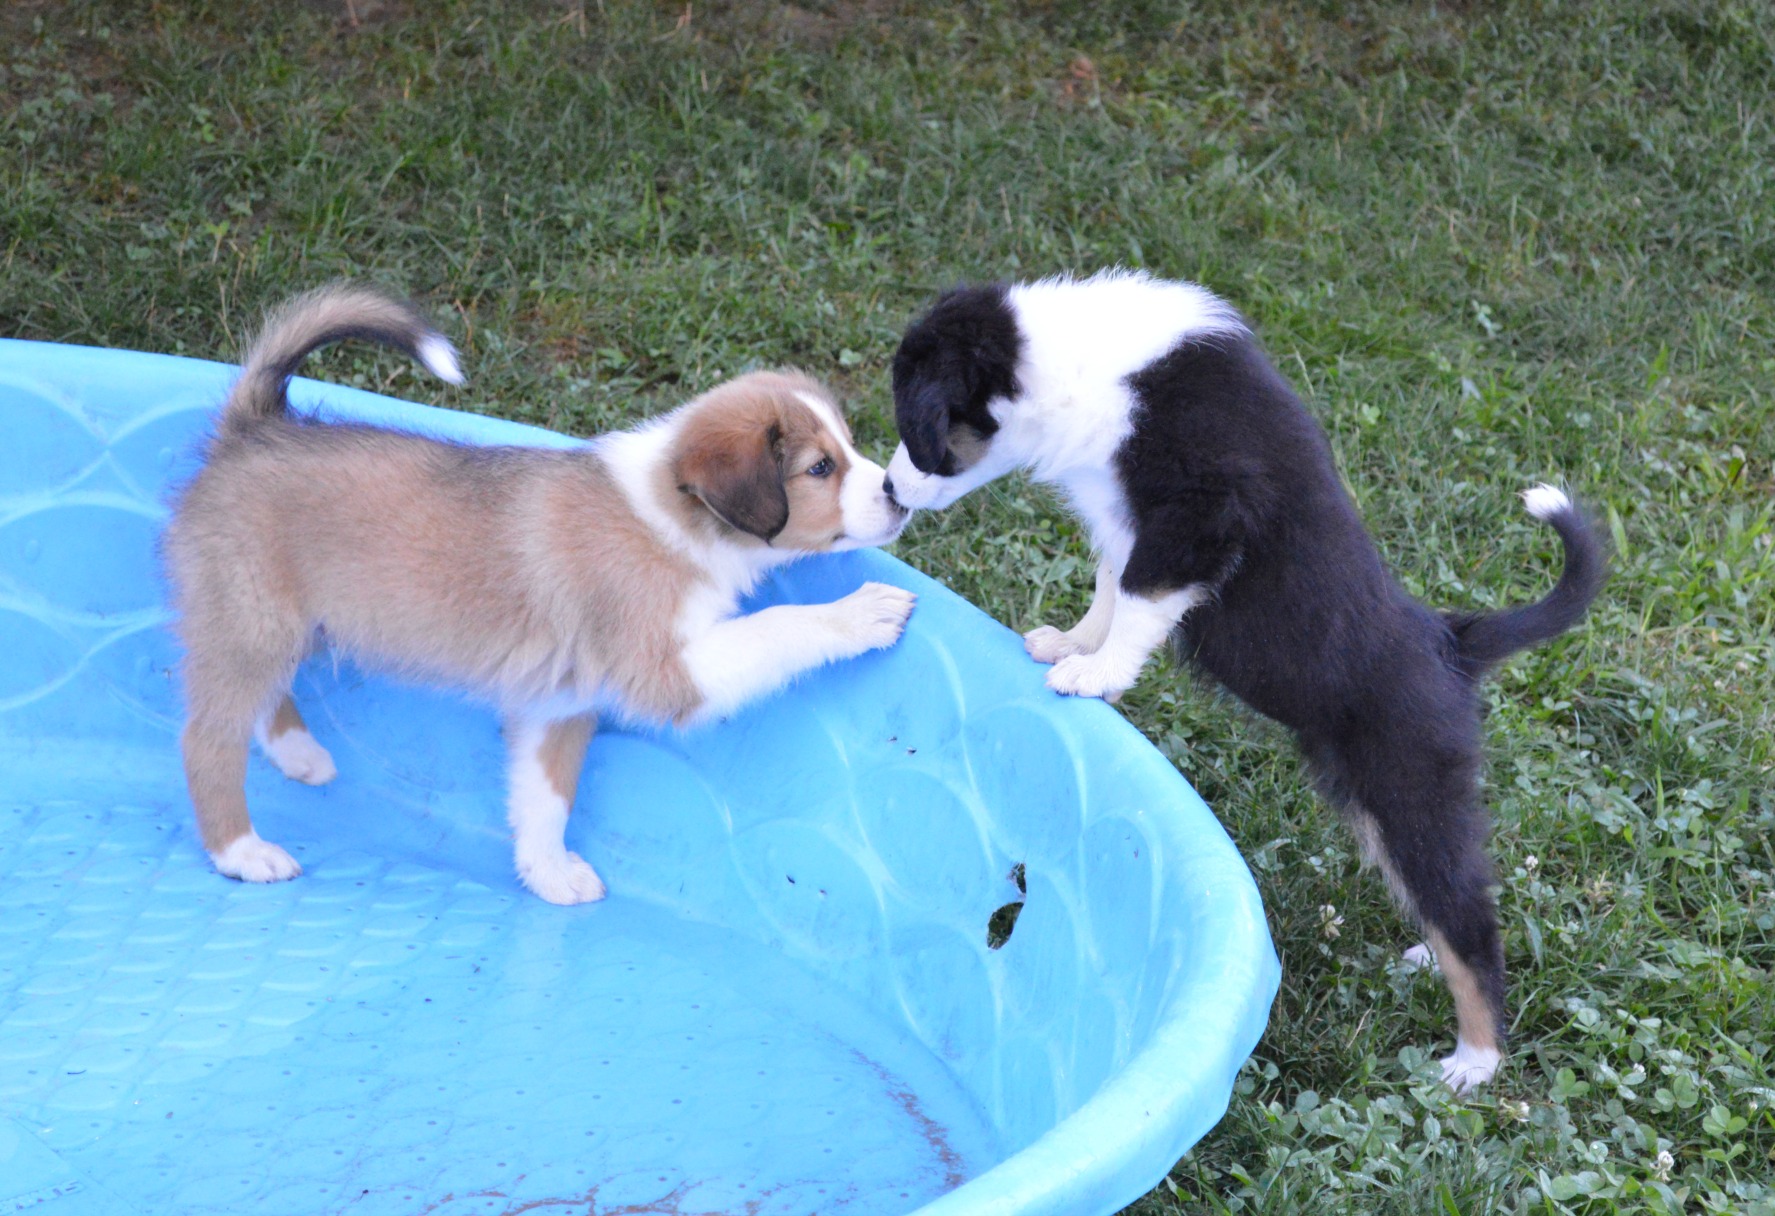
[1004, 919]
[999, 926]
[934, 1133]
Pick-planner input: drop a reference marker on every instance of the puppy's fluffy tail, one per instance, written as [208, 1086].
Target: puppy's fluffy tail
[1485, 638]
[320, 318]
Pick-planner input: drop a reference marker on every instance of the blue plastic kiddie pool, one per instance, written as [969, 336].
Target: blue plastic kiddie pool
[788, 1003]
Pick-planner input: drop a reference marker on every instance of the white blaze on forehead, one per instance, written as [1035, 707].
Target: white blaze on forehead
[828, 414]
[869, 518]
[863, 503]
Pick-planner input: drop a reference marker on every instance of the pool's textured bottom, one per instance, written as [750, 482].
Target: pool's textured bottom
[480, 1051]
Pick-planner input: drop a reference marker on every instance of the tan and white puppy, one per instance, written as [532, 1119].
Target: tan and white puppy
[558, 583]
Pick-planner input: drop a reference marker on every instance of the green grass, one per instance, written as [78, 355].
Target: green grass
[1491, 244]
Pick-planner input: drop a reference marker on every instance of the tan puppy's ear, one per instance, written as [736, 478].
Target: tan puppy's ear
[731, 459]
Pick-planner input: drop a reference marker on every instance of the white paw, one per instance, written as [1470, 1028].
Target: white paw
[1469, 1067]
[1089, 675]
[1047, 644]
[299, 757]
[251, 859]
[875, 614]
[564, 878]
[1420, 958]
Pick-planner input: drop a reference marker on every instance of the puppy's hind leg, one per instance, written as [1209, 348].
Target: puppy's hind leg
[284, 738]
[546, 757]
[1442, 876]
[1474, 972]
[225, 694]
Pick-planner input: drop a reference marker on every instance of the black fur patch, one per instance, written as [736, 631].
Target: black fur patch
[1230, 487]
[955, 360]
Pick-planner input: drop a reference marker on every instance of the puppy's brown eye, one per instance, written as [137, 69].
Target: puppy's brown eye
[823, 469]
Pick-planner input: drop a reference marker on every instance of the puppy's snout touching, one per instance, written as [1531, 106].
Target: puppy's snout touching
[887, 488]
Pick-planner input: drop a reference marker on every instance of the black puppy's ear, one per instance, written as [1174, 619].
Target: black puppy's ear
[732, 462]
[952, 362]
[921, 413]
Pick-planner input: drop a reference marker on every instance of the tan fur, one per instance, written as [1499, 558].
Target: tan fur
[1473, 1014]
[524, 574]
[284, 719]
[521, 573]
[216, 771]
[327, 314]
[815, 516]
[743, 454]
[1368, 839]
[563, 753]
[968, 446]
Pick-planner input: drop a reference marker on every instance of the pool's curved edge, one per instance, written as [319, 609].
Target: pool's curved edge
[1120, 1143]
[1127, 1136]
[1130, 1133]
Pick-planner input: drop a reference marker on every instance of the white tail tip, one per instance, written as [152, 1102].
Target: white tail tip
[1545, 501]
[439, 358]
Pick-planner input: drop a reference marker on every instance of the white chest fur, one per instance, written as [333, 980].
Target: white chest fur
[1082, 340]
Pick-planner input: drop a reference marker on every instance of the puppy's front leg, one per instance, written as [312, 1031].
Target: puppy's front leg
[545, 762]
[738, 660]
[1047, 644]
[1137, 628]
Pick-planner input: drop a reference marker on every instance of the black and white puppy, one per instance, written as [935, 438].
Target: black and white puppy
[1220, 523]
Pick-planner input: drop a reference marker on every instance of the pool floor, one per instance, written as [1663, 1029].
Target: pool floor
[387, 1035]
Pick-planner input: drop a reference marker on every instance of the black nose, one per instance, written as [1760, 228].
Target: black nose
[887, 487]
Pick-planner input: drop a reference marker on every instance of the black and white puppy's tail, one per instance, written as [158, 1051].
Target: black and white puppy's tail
[1484, 638]
[320, 318]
